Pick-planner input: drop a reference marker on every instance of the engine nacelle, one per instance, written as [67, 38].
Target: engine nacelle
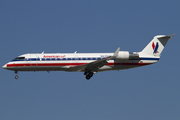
[123, 55]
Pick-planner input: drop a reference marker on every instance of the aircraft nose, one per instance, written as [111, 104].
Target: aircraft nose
[5, 66]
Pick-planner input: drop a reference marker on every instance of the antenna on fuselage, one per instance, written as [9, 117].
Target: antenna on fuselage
[42, 52]
[75, 52]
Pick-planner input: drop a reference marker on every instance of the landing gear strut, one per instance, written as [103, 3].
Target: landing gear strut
[16, 77]
[88, 75]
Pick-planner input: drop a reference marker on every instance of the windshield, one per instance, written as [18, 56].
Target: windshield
[19, 58]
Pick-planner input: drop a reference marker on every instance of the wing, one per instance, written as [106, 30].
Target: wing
[94, 66]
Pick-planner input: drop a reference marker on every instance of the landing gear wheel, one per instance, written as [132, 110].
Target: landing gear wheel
[90, 74]
[16, 77]
[88, 77]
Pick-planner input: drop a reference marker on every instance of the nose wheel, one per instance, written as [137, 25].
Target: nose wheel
[16, 77]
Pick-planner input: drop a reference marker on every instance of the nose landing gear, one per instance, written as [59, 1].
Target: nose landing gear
[16, 77]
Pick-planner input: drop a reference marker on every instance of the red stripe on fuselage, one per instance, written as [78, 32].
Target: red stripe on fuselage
[67, 64]
[43, 64]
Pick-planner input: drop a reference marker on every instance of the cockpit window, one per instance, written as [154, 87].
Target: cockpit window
[19, 58]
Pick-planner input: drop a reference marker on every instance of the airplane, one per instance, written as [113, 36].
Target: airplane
[90, 63]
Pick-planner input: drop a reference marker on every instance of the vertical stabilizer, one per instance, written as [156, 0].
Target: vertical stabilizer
[156, 46]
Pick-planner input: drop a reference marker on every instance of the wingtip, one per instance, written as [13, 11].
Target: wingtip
[172, 35]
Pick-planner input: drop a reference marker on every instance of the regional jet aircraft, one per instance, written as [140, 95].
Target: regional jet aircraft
[89, 63]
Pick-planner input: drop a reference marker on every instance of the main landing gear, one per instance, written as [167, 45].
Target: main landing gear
[16, 77]
[88, 75]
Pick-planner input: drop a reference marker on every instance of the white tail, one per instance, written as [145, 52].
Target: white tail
[156, 46]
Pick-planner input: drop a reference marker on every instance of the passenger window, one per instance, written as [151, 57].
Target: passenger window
[68, 58]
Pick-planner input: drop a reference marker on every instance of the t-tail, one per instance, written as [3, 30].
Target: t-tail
[156, 46]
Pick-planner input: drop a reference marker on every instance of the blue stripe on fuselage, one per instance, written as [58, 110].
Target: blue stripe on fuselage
[72, 59]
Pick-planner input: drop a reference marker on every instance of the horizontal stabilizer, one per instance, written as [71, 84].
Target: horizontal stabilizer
[167, 36]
